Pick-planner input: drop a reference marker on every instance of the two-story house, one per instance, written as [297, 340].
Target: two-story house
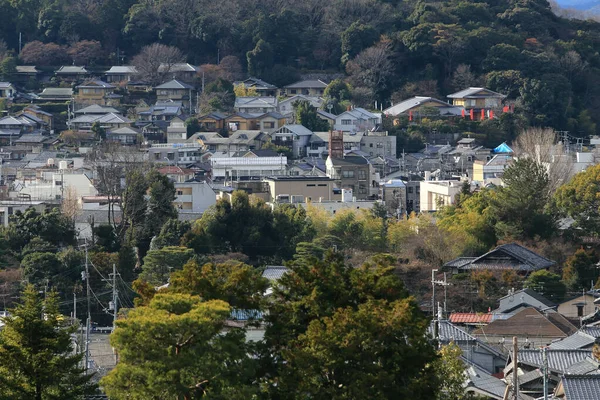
[180, 71]
[241, 121]
[97, 92]
[286, 106]
[421, 106]
[56, 94]
[108, 121]
[121, 73]
[37, 112]
[255, 105]
[126, 136]
[71, 73]
[262, 88]
[477, 99]
[7, 90]
[176, 132]
[270, 121]
[174, 90]
[350, 172]
[294, 137]
[212, 122]
[356, 120]
[305, 87]
[161, 111]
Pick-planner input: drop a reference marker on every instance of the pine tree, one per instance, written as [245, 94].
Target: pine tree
[36, 353]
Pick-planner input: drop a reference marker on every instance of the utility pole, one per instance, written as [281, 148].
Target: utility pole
[89, 313]
[115, 295]
[515, 367]
[433, 271]
[545, 363]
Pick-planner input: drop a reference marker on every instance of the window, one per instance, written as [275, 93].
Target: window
[347, 174]
[322, 184]
[370, 144]
[410, 190]
[362, 174]
[269, 125]
[346, 122]
[310, 184]
[292, 91]
[179, 192]
[362, 189]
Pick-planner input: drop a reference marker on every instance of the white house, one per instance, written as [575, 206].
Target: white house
[176, 132]
[286, 106]
[194, 197]
[356, 120]
[56, 185]
[255, 105]
[247, 167]
[6, 90]
[295, 137]
[438, 193]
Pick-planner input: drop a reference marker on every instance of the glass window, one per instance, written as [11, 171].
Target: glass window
[348, 174]
[362, 174]
[346, 122]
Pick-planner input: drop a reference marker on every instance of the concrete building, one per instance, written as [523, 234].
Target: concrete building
[175, 153]
[194, 197]
[227, 168]
[55, 186]
[351, 172]
[438, 193]
[393, 193]
[491, 171]
[299, 189]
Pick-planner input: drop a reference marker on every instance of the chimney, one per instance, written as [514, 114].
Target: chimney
[336, 144]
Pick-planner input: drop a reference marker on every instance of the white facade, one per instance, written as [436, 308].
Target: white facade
[194, 197]
[438, 193]
[237, 167]
[55, 186]
[356, 120]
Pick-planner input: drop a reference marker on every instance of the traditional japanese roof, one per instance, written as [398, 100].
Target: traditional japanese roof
[475, 93]
[584, 367]
[272, 114]
[579, 387]
[218, 116]
[96, 83]
[250, 102]
[5, 85]
[57, 92]
[126, 130]
[274, 272]
[26, 69]
[110, 118]
[295, 129]
[529, 322]
[174, 84]
[96, 109]
[307, 84]
[72, 69]
[578, 340]
[417, 101]
[470, 318]
[482, 382]
[256, 83]
[448, 332]
[122, 70]
[558, 360]
[524, 297]
[326, 114]
[507, 256]
[177, 67]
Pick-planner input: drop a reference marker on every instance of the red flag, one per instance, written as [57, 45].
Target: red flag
[512, 108]
[471, 114]
[462, 112]
[505, 109]
[491, 114]
[410, 115]
[482, 114]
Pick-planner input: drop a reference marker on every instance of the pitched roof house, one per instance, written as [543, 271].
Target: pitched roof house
[310, 87]
[415, 106]
[262, 88]
[7, 90]
[258, 105]
[477, 98]
[578, 387]
[120, 73]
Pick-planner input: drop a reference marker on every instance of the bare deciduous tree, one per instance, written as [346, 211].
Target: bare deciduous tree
[155, 62]
[70, 203]
[541, 144]
[462, 77]
[372, 67]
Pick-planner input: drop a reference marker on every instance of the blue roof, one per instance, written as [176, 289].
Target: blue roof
[503, 148]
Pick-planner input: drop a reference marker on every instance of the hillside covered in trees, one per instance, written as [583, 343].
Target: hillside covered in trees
[389, 50]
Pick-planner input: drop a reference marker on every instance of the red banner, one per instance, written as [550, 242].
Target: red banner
[471, 114]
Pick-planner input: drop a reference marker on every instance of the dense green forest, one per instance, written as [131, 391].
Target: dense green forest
[389, 50]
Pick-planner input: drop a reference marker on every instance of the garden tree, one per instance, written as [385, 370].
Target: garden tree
[579, 199]
[98, 131]
[451, 371]
[192, 126]
[372, 68]
[154, 62]
[105, 238]
[547, 284]
[521, 207]
[37, 359]
[540, 144]
[40, 267]
[580, 270]
[236, 226]
[348, 228]
[158, 264]
[462, 77]
[306, 115]
[174, 348]
[260, 59]
[337, 94]
[134, 202]
[50, 226]
[8, 68]
[242, 90]
[325, 313]
[234, 282]
[356, 38]
[86, 52]
[171, 233]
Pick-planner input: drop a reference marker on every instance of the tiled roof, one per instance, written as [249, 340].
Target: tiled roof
[178, 67]
[578, 340]
[244, 315]
[448, 332]
[416, 101]
[71, 69]
[528, 292]
[95, 83]
[584, 367]
[297, 129]
[312, 84]
[507, 256]
[528, 322]
[27, 69]
[592, 331]
[581, 387]
[274, 272]
[174, 84]
[470, 318]
[48, 92]
[459, 262]
[96, 109]
[558, 360]
[122, 69]
[255, 82]
[351, 160]
[473, 93]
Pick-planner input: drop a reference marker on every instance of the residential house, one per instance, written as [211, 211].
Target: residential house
[385, 165]
[510, 256]
[97, 92]
[241, 121]
[583, 339]
[356, 120]
[138, 87]
[161, 111]
[107, 121]
[393, 194]
[7, 90]
[121, 73]
[294, 137]
[177, 174]
[36, 143]
[154, 132]
[300, 189]
[262, 88]
[437, 194]
[420, 106]
[578, 387]
[530, 326]
[40, 114]
[579, 306]
[477, 98]
[96, 109]
[465, 154]
[174, 90]
[351, 172]
[194, 197]
[485, 172]
[212, 122]
[270, 122]
[286, 106]
[177, 131]
[56, 94]
[181, 71]
[125, 136]
[413, 196]
[307, 88]
[17, 125]
[473, 349]
[175, 153]
[255, 105]
[378, 144]
[518, 300]
[236, 168]
[26, 73]
[239, 141]
[325, 116]
[71, 73]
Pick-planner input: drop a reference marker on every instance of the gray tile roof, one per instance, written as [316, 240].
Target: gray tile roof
[49, 92]
[297, 129]
[508, 256]
[581, 387]
[578, 340]
[27, 69]
[174, 84]
[255, 82]
[416, 101]
[122, 69]
[592, 331]
[584, 367]
[96, 109]
[71, 69]
[558, 360]
[274, 272]
[311, 84]
[95, 83]
[474, 93]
